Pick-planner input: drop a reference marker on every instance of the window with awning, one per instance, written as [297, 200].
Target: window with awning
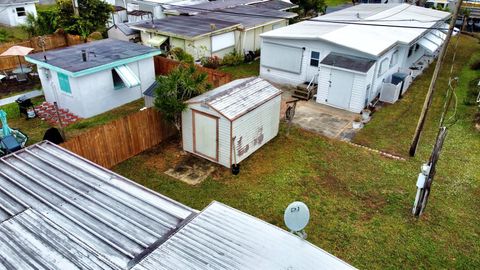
[128, 77]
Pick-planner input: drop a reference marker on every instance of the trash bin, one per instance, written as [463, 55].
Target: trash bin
[25, 106]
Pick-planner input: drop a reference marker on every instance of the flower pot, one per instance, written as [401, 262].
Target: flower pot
[366, 115]
[357, 125]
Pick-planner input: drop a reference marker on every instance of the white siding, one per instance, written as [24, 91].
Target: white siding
[359, 89]
[357, 100]
[324, 48]
[256, 128]
[223, 133]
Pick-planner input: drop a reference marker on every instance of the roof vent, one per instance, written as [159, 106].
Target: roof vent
[84, 55]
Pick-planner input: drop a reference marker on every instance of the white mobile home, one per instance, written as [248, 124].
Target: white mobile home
[232, 121]
[14, 12]
[352, 62]
[95, 77]
[213, 33]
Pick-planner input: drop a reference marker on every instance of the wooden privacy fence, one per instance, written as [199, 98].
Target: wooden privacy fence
[51, 42]
[121, 139]
[163, 66]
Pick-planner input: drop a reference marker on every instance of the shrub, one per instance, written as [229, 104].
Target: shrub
[95, 36]
[210, 62]
[180, 55]
[4, 35]
[472, 93]
[232, 59]
[475, 65]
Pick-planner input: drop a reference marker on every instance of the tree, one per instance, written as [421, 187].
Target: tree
[310, 6]
[93, 16]
[180, 85]
[43, 24]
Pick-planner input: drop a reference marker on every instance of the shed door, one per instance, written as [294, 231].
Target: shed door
[340, 90]
[205, 135]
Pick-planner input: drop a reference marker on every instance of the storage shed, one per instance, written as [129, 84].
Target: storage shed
[232, 121]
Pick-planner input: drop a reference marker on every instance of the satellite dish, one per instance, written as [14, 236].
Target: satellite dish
[296, 216]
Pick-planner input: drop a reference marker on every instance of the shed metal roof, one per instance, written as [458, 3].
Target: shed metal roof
[211, 5]
[339, 27]
[221, 237]
[185, 26]
[237, 98]
[59, 211]
[101, 52]
[348, 62]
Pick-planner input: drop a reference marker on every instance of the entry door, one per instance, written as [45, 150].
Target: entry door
[205, 132]
[340, 90]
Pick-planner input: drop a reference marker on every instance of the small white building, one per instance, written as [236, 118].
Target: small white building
[14, 12]
[92, 78]
[349, 60]
[231, 122]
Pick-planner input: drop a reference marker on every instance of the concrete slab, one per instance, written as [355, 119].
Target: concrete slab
[31, 94]
[325, 120]
[191, 170]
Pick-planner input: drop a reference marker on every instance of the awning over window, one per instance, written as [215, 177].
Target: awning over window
[127, 76]
[432, 41]
[157, 41]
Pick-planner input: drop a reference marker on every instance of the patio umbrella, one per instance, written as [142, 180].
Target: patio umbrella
[5, 128]
[17, 51]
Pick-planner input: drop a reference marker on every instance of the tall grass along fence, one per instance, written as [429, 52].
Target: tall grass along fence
[163, 66]
[121, 139]
[51, 42]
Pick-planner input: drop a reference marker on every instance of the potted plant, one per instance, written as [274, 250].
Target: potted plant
[357, 122]
[366, 115]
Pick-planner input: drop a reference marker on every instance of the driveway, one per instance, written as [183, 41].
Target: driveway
[325, 120]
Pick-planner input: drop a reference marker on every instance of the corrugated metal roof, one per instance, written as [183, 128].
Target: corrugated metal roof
[372, 40]
[221, 237]
[54, 202]
[236, 98]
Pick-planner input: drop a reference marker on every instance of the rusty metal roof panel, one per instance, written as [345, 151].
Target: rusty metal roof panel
[117, 218]
[221, 237]
[236, 98]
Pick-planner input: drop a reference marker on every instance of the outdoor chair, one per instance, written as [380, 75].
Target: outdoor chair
[21, 77]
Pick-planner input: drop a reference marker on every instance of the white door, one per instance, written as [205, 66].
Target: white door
[205, 132]
[313, 66]
[340, 88]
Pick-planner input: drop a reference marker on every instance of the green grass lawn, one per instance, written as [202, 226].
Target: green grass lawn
[12, 34]
[35, 128]
[243, 70]
[360, 202]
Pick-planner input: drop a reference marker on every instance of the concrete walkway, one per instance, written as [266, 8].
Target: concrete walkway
[31, 94]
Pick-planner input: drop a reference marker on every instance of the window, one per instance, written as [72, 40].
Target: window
[383, 67]
[417, 46]
[223, 41]
[411, 49]
[21, 11]
[394, 59]
[282, 57]
[64, 83]
[314, 59]
[117, 80]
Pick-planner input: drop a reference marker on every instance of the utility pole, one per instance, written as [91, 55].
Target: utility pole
[431, 89]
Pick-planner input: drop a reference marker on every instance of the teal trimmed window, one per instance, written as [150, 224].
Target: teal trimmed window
[64, 83]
